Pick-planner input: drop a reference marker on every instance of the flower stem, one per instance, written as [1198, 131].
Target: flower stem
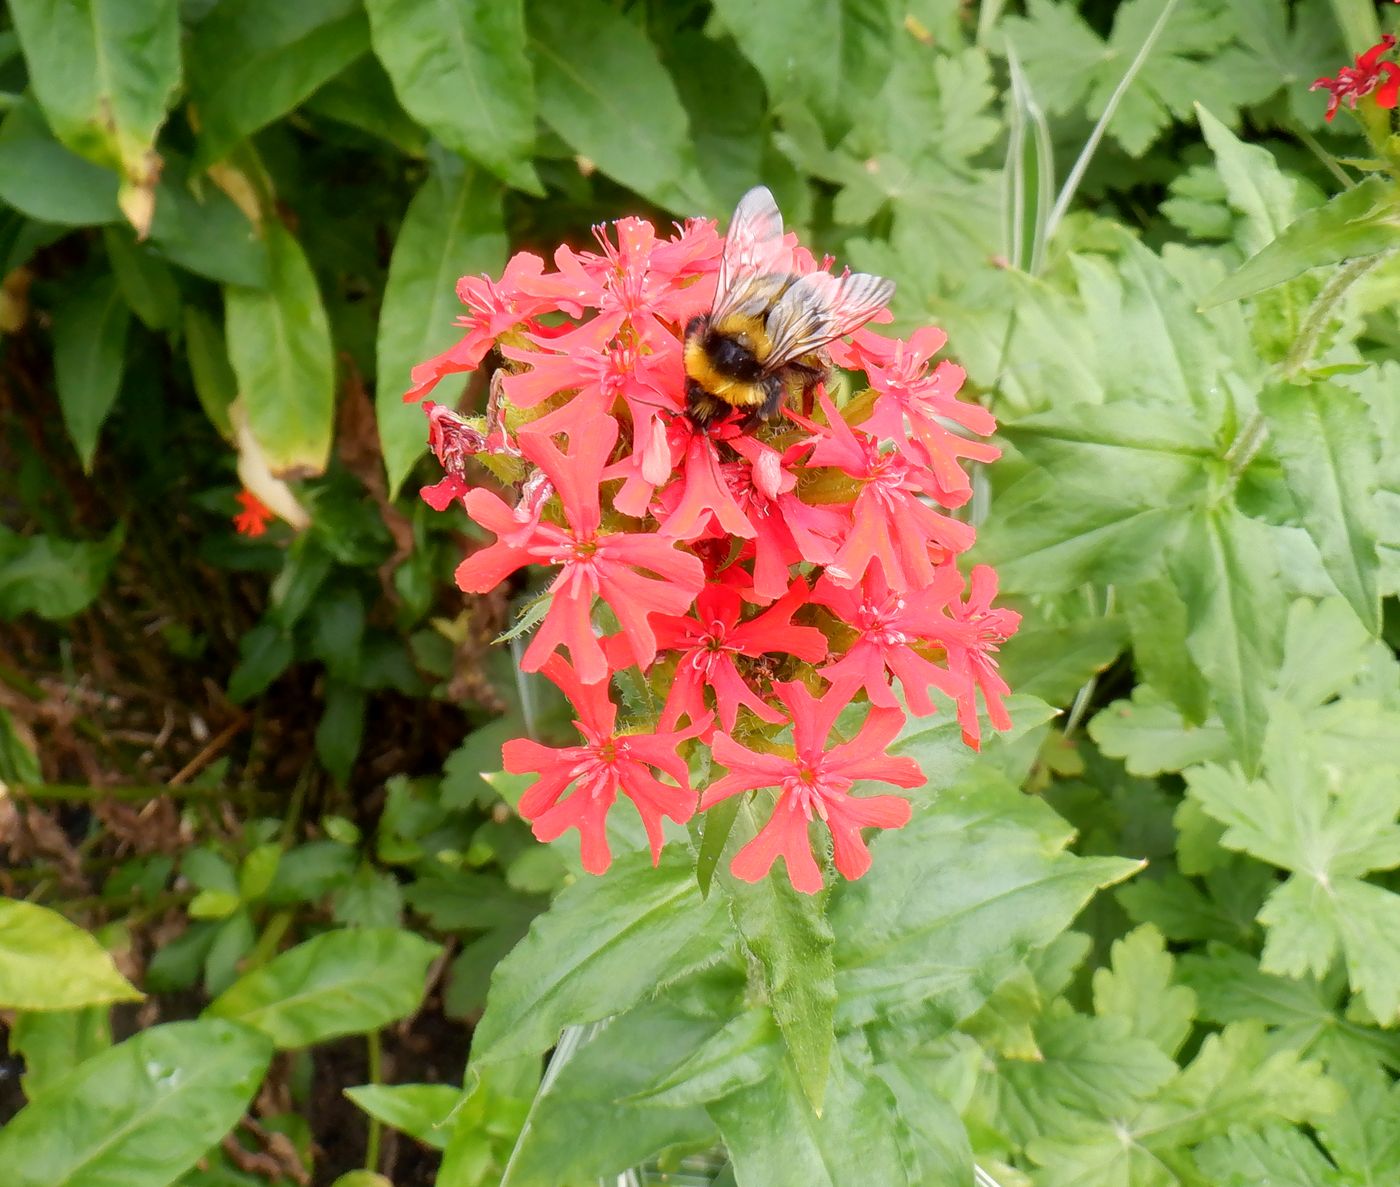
[1252, 435]
[1319, 316]
[1091, 146]
[375, 1056]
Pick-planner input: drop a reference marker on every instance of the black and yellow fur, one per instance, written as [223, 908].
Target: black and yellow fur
[725, 367]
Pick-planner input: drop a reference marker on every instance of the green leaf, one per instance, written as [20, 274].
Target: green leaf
[1068, 65]
[461, 70]
[45, 180]
[788, 935]
[1083, 1067]
[1254, 183]
[1363, 1137]
[604, 944]
[453, 228]
[141, 1113]
[1298, 818]
[1236, 1079]
[603, 90]
[1323, 436]
[343, 982]
[773, 1136]
[252, 61]
[422, 1111]
[1138, 987]
[1227, 570]
[836, 74]
[952, 901]
[584, 1124]
[105, 75]
[47, 963]
[1042, 541]
[279, 344]
[1157, 619]
[1357, 222]
[264, 653]
[1277, 1156]
[54, 1042]
[89, 344]
[145, 280]
[362, 96]
[53, 578]
[214, 381]
[1303, 1014]
[199, 227]
[1053, 661]
[742, 1053]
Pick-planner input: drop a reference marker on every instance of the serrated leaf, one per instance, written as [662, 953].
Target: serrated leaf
[1323, 436]
[953, 899]
[460, 69]
[603, 90]
[837, 74]
[252, 61]
[141, 1113]
[1357, 222]
[1138, 987]
[342, 982]
[453, 228]
[787, 933]
[1303, 1013]
[89, 330]
[1085, 1067]
[279, 345]
[604, 944]
[1226, 568]
[53, 578]
[1277, 1156]
[47, 963]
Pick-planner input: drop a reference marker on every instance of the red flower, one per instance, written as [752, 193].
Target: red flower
[815, 783]
[888, 625]
[710, 642]
[593, 563]
[971, 637]
[910, 394]
[1368, 75]
[495, 307]
[889, 522]
[253, 519]
[607, 762]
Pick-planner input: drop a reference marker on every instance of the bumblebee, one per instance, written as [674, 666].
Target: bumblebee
[761, 341]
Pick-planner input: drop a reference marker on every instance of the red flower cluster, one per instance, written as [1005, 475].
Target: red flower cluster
[762, 580]
[1369, 75]
[252, 521]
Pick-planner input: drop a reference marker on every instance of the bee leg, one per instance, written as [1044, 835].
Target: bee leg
[702, 407]
[774, 389]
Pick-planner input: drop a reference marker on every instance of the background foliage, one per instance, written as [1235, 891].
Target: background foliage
[260, 872]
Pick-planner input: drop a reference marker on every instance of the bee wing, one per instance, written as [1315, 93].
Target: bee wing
[820, 308]
[755, 264]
